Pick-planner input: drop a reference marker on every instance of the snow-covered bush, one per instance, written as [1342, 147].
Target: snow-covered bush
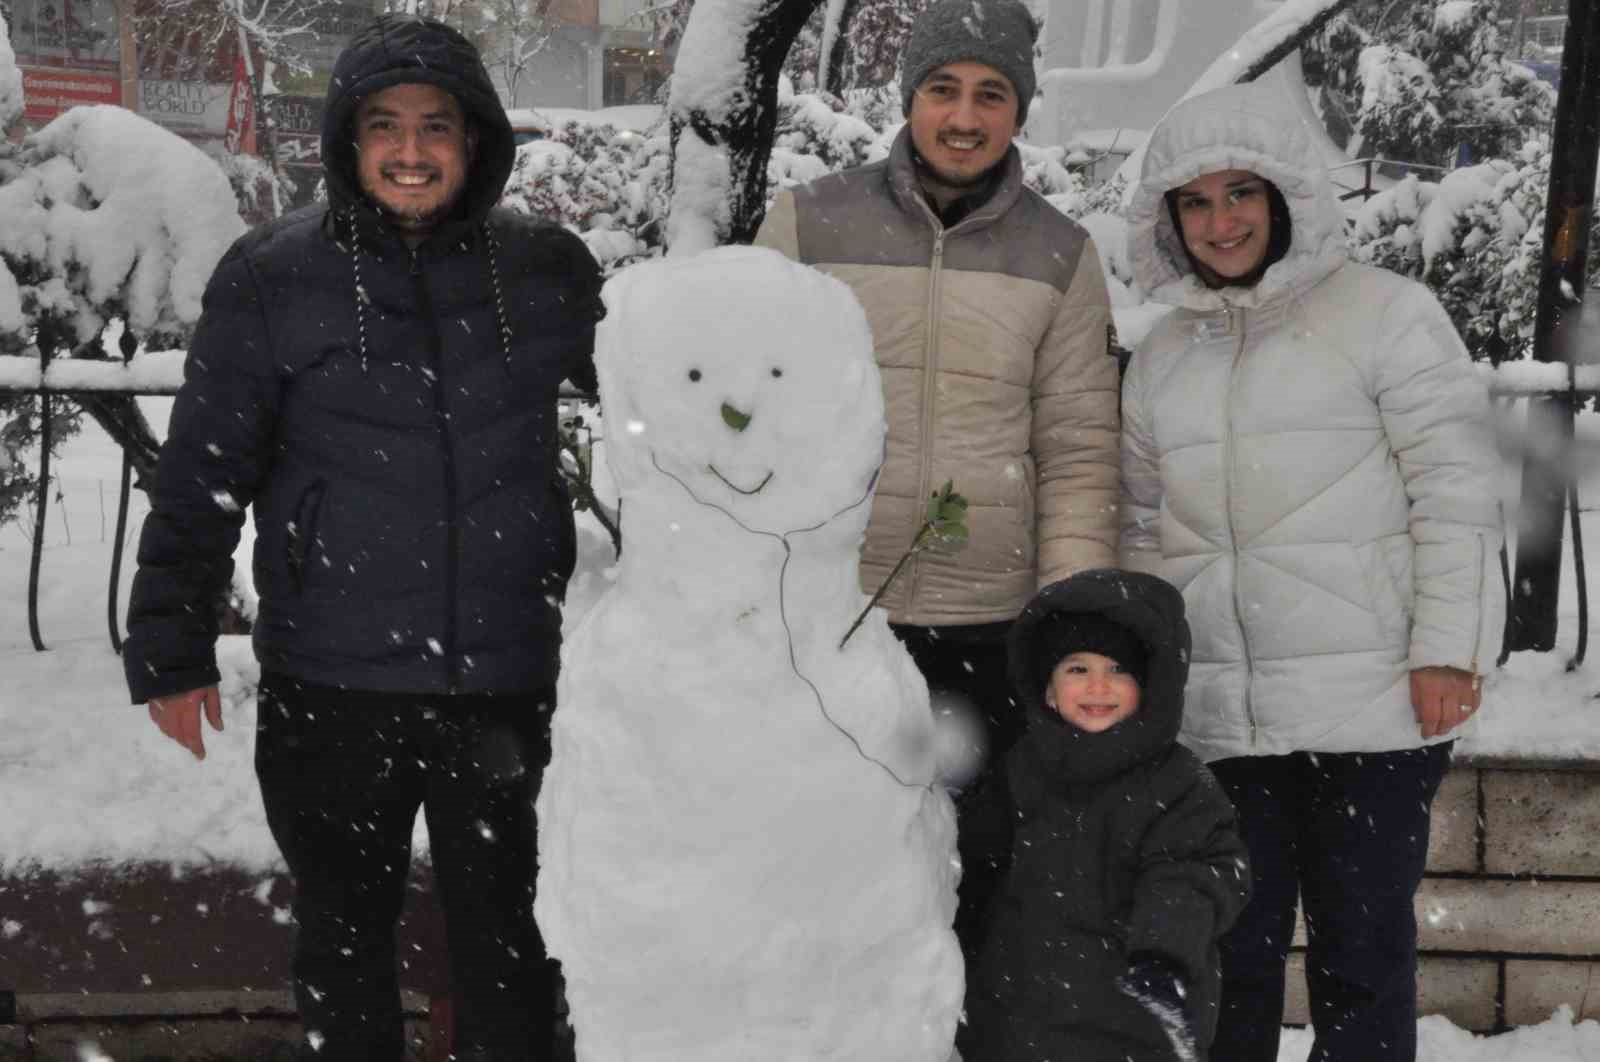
[824, 134]
[1475, 238]
[108, 217]
[258, 189]
[1420, 82]
[609, 185]
[612, 186]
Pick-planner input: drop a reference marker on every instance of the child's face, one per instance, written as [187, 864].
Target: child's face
[1092, 692]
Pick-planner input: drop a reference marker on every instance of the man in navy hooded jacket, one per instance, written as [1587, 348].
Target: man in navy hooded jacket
[376, 376]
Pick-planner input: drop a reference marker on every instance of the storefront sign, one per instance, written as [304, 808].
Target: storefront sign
[188, 108]
[299, 129]
[76, 35]
[46, 93]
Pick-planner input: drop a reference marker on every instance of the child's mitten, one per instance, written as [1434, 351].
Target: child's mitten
[1157, 985]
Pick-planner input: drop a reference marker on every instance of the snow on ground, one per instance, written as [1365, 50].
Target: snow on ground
[1556, 1040]
[85, 777]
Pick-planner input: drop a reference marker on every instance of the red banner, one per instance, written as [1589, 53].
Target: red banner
[46, 93]
[240, 136]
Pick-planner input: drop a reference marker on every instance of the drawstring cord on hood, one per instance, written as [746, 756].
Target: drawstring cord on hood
[361, 291]
[363, 301]
[500, 315]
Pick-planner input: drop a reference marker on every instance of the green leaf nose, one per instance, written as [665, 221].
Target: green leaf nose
[734, 419]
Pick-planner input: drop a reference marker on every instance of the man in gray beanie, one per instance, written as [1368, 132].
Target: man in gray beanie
[997, 33]
[989, 313]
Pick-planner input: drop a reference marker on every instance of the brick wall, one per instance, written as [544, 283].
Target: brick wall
[1508, 915]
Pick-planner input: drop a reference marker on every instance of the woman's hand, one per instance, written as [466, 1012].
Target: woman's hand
[1443, 698]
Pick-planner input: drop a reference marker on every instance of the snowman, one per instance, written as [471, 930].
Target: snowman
[744, 851]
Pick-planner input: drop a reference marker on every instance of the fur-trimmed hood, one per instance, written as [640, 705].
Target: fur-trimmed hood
[1240, 127]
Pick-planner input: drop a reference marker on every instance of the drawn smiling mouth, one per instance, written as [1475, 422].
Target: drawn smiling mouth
[735, 487]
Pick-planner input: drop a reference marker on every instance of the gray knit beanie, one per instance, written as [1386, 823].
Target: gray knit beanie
[998, 33]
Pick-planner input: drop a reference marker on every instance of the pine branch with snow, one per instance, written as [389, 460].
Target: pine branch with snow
[109, 218]
[1424, 86]
[1476, 239]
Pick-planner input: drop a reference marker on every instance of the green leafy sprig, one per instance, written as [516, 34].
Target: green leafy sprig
[944, 526]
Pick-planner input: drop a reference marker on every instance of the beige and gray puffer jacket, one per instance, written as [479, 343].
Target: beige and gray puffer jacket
[1308, 460]
[992, 338]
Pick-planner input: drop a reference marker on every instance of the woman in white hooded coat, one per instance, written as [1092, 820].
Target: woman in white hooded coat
[1306, 455]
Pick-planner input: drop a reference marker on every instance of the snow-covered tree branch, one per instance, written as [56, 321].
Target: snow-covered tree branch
[723, 111]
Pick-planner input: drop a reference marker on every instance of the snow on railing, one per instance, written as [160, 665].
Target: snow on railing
[1513, 378]
[160, 372]
[156, 372]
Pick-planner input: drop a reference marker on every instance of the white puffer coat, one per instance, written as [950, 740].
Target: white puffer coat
[1308, 460]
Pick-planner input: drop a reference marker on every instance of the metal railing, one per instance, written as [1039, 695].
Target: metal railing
[153, 374]
[1369, 166]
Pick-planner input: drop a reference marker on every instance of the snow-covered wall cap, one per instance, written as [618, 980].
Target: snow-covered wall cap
[10, 80]
[1238, 127]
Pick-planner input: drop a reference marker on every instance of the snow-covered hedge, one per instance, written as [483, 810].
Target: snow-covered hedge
[1476, 238]
[611, 185]
[107, 216]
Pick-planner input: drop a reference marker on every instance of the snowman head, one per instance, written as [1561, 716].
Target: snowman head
[747, 378]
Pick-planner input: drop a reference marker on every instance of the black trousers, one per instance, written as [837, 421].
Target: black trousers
[1348, 834]
[342, 774]
[971, 662]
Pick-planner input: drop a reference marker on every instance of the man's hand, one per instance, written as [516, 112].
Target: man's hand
[178, 716]
[1443, 698]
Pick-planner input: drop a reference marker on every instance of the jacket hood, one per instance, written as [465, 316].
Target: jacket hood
[403, 50]
[1149, 607]
[1239, 127]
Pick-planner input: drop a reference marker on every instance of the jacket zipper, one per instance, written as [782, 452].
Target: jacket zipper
[1477, 634]
[441, 417]
[1227, 512]
[929, 383]
[930, 374]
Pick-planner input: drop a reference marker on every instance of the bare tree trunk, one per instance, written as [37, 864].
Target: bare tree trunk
[724, 113]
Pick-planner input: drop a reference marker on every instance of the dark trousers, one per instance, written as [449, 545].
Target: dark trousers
[1348, 834]
[342, 774]
[971, 662]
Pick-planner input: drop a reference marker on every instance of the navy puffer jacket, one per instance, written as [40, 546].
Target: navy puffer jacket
[390, 416]
[1117, 845]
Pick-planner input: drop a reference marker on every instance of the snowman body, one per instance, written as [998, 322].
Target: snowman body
[744, 851]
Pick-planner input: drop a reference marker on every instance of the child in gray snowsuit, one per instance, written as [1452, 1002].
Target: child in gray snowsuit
[1122, 863]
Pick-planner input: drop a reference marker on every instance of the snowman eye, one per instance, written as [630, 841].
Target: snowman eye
[776, 372]
[694, 375]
